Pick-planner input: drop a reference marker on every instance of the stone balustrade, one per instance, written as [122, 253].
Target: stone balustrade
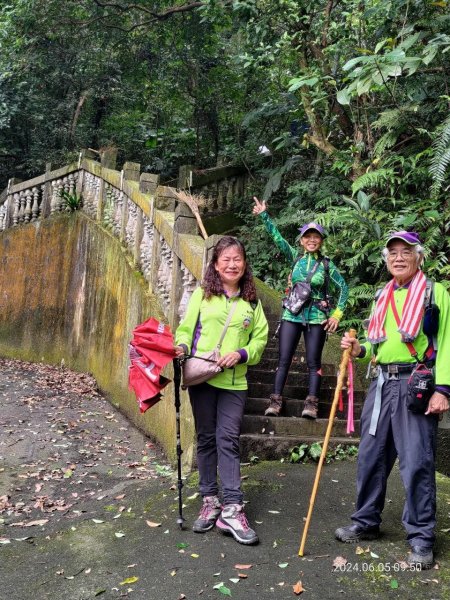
[218, 185]
[158, 231]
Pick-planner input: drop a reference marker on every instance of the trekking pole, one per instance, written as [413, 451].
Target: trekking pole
[176, 383]
[340, 383]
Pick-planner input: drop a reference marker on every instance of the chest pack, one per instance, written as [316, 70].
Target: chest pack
[300, 294]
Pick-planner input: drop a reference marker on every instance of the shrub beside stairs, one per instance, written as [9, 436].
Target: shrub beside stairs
[272, 438]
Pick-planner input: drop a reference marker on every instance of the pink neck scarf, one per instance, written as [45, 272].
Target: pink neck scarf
[412, 312]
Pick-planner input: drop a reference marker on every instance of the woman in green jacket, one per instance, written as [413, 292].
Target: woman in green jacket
[218, 404]
[315, 319]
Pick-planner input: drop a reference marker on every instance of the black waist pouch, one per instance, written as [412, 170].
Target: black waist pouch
[298, 297]
[420, 389]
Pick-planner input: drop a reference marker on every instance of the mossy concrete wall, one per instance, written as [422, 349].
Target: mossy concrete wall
[68, 292]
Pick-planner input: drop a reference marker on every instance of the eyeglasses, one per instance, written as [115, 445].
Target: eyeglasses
[408, 254]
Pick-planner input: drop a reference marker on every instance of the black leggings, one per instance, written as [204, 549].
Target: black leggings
[289, 337]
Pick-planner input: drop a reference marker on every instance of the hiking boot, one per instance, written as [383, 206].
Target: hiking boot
[275, 406]
[420, 558]
[311, 407]
[354, 533]
[209, 513]
[234, 522]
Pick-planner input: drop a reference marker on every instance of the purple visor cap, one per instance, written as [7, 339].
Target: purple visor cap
[315, 226]
[409, 237]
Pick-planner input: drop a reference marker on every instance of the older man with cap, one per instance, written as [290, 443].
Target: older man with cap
[408, 339]
[315, 318]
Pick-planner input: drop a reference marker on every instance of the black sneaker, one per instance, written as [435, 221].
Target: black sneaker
[209, 513]
[420, 558]
[354, 533]
[233, 521]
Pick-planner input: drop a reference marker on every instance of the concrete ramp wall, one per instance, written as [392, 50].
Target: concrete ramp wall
[68, 292]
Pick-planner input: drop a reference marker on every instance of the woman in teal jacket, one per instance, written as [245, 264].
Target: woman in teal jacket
[315, 319]
[218, 404]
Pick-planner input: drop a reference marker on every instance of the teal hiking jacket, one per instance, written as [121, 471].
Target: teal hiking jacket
[301, 266]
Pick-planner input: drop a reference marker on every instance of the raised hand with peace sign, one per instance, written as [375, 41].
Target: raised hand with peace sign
[259, 207]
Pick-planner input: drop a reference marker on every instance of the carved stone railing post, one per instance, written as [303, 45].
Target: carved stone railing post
[143, 235]
[164, 281]
[165, 200]
[8, 220]
[108, 157]
[101, 200]
[185, 177]
[35, 207]
[184, 223]
[131, 172]
[28, 203]
[16, 209]
[148, 183]
[47, 192]
[146, 250]
[22, 200]
[108, 207]
[55, 203]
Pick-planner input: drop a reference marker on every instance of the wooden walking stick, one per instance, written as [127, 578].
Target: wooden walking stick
[339, 386]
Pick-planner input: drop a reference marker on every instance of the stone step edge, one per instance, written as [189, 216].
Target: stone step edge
[281, 418]
[302, 438]
[290, 399]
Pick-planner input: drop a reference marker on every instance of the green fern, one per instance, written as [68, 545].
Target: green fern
[395, 118]
[441, 156]
[387, 140]
[372, 179]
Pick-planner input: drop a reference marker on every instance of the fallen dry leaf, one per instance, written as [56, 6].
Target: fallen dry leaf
[129, 580]
[298, 588]
[339, 561]
[242, 575]
[243, 566]
[153, 524]
[30, 523]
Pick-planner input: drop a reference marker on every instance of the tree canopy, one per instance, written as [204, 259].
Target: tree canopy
[350, 97]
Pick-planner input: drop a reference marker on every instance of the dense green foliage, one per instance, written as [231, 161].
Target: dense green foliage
[350, 97]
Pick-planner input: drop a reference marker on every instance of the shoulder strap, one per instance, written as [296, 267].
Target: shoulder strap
[428, 294]
[227, 322]
[428, 304]
[326, 265]
[313, 270]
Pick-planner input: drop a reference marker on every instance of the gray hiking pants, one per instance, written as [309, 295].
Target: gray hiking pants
[218, 416]
[411, 437]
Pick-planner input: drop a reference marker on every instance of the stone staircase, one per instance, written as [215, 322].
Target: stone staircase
[271, 438]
